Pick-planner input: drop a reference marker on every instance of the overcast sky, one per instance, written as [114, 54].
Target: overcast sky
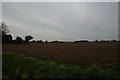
[62, 20]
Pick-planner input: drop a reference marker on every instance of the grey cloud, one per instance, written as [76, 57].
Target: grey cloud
[63, 20]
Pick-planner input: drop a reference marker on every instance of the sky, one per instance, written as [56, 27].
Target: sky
[62, 20]
[60, 0]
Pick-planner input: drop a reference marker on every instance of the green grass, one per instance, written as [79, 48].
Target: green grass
[21, 66]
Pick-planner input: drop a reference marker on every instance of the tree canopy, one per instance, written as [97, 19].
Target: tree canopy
[28, 38]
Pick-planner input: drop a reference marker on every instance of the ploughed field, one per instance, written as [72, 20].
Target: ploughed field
[82, 54]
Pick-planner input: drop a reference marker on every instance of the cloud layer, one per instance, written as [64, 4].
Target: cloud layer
[62, 20]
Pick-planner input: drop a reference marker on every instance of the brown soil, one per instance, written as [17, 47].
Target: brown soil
[101, 54]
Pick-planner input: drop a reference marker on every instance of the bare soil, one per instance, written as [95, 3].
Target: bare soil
[83, 54]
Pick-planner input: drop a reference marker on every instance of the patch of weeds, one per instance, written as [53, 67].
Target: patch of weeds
[20, 66]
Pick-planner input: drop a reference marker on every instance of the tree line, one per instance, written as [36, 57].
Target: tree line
[7, 38]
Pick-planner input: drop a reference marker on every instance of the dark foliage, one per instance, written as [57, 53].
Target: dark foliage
[6, 38]
[39, 41]
[28, 38]
[19, 40]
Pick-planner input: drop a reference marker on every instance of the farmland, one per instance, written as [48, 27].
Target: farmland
[104, 55]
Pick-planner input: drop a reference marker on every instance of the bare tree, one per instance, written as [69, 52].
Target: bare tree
[4, 28]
